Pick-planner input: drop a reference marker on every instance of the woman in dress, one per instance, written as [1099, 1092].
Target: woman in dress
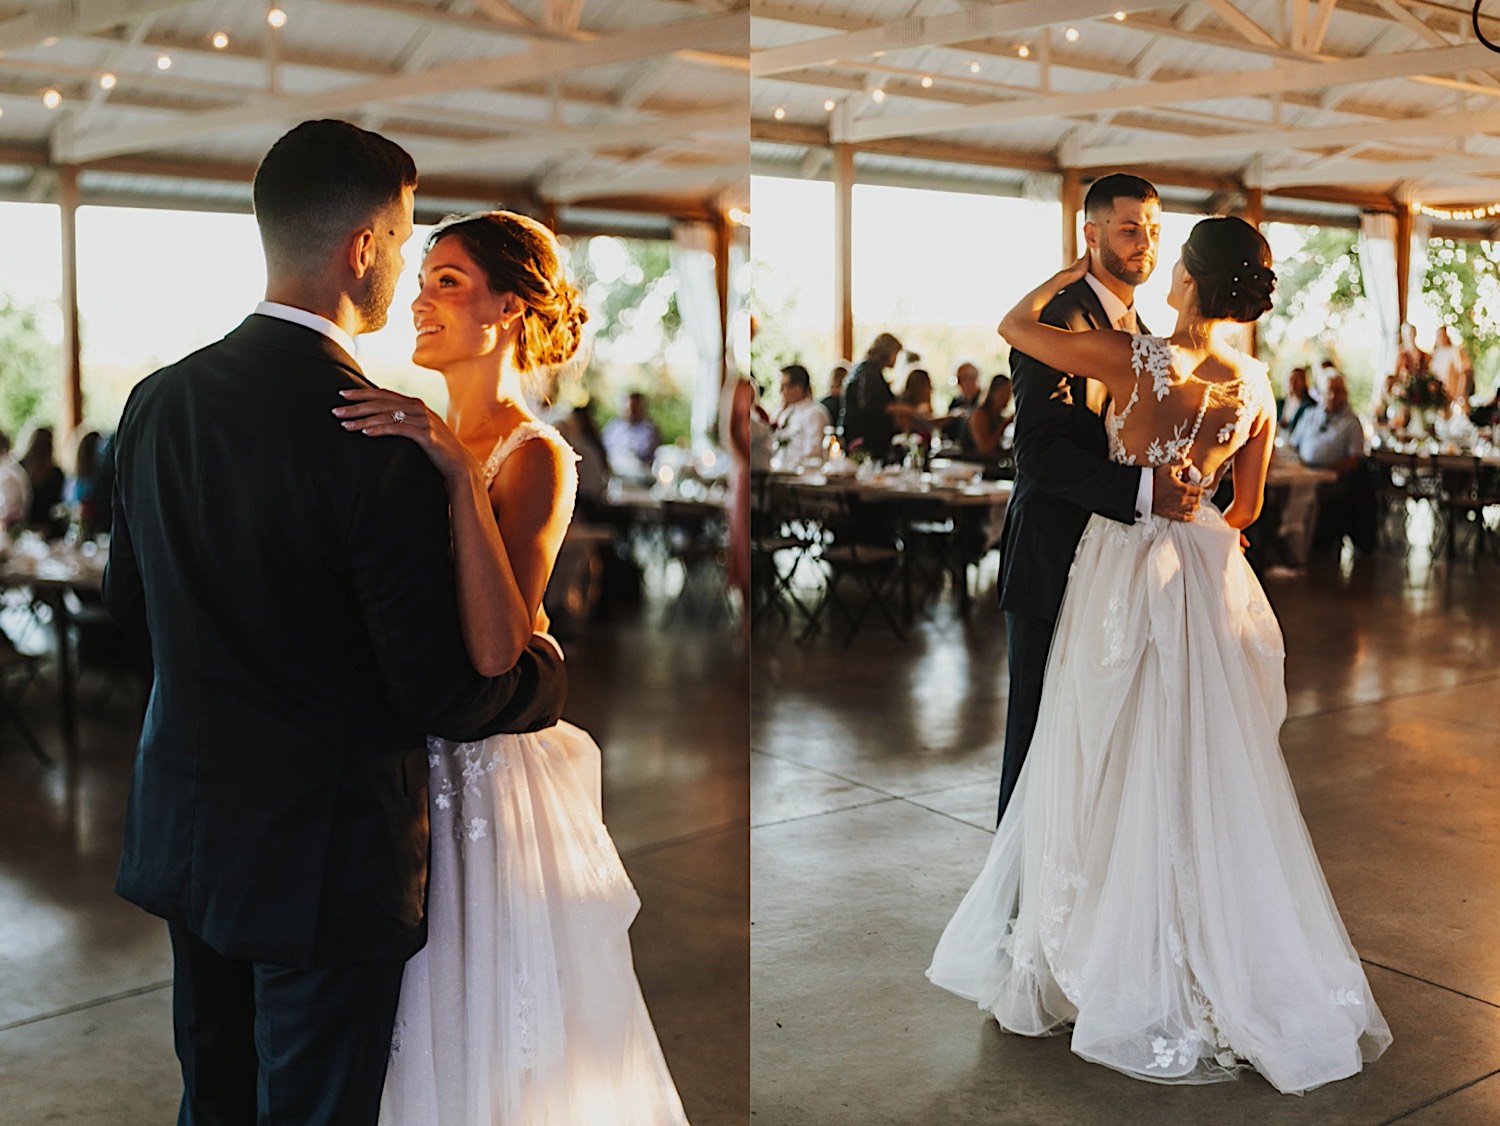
[523, 1008]
[1152, 883]
[1450, 363]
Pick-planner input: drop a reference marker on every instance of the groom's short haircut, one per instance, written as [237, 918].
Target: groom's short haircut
[1104, 191]
[322, 181]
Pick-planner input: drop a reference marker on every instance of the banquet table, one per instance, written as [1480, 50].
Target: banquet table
[49, 571]
[909, 501]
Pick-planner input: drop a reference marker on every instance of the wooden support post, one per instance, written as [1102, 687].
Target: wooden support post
[1404, 229]
[1072, 204]
[1255, 207]
[72, 350]
[843, 251]
[723, 240]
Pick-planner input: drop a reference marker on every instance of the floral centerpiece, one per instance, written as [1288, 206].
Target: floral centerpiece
[1423, 397]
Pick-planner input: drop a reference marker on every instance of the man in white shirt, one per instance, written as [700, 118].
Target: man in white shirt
[15, 488]
[1331, 436]
[800, 425]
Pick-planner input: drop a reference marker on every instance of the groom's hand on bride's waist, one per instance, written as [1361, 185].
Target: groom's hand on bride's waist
[1172, 496]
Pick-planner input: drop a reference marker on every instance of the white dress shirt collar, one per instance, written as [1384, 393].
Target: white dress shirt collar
[308, 320]
[1114, 308]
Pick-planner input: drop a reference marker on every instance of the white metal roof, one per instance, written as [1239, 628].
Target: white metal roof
[1358, 99]
[569, 103]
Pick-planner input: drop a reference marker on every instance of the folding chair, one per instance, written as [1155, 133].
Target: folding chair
[853, 542]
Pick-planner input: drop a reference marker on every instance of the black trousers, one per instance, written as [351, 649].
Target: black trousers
[264, 1045]
[1027, 642]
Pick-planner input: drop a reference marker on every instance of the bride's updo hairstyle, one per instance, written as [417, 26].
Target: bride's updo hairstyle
[519, 255]
[1231, 263]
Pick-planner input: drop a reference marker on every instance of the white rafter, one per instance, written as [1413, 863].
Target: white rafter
[614, 134]
[936, 31]
[1278, 140]
[58, 18]
[543, 60]
[1242, 23]
[1242, 84]
[1369, 172]
[624, 179]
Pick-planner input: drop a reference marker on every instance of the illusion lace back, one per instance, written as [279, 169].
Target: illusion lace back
[1152, 883]
[523, 1008]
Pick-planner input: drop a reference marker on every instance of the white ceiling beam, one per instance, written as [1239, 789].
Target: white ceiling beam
[58, 19]
[644, 81]
[1242, 23]
[1242, 84]
[1419, 27]
[1319, 30]
[1300, 21]
[936, 31]
[455, 157]
[658, 178]
[1370, 172]
[543, 60]
[1278, 140]
[504, 12]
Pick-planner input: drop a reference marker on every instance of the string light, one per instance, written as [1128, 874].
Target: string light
[220, 41]
[1024, 51]
[106, 81]
[276, 18]
[927, 82]
[1071, 35]
[738, 216]
[1119, 17]
[1461, 214]
[878, 93]
[163, 62]
[828, 104]
[974, 67]
[779, 113]
[52, 99]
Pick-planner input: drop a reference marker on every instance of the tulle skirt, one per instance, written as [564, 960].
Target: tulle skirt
[1152, 883]
[523, 1009]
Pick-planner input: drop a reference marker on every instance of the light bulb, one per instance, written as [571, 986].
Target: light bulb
[779, 113]
[163, 62]
[927, 82]
[52, 99]
[974, 67]
[106, 81]
[276, 18]
[1071, 35]
[878, 93]
[220, 40]
[1024, 51]
[828, 104]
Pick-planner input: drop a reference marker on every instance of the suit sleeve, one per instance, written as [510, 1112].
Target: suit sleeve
[1045, 449]
[398, 554]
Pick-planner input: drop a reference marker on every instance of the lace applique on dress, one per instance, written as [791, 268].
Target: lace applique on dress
[1152, 354]
[531, 428]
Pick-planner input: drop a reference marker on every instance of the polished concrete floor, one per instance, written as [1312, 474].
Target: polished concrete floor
[873, 777]
[85, 1020]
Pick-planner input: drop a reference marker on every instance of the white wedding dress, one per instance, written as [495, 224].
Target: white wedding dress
[523, 1008]
[1152, 883]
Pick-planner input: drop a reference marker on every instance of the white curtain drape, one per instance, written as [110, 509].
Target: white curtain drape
[698, 301]
[1421, 231]
[1377, 267]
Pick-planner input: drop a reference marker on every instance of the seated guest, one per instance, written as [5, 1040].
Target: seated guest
[833, 402]
[47, 482]
[580, 430]
[15, 488]
[913, 407]
[631, 439]
[1298, 399]
[868, 399]
[987, 430]
[1331, 436]
[966, 379]
[800, 425]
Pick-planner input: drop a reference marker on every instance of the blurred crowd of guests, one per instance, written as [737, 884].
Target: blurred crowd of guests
[888, 393]
[37, 493]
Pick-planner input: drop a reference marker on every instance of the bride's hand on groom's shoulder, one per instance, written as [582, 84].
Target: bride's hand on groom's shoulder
[378, 413]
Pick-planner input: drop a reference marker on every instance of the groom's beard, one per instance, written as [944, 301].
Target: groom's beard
[1116, 266]
[375, 305]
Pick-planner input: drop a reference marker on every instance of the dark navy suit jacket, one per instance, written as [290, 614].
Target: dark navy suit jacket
[1063, 471]
[296, 583]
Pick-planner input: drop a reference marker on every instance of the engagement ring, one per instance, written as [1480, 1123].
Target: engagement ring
[398, 416]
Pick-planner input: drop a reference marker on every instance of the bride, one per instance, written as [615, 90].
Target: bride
[523, 1008]
[1152, 883]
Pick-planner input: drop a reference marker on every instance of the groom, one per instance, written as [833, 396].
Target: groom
[296, 585]
[1063, 471]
